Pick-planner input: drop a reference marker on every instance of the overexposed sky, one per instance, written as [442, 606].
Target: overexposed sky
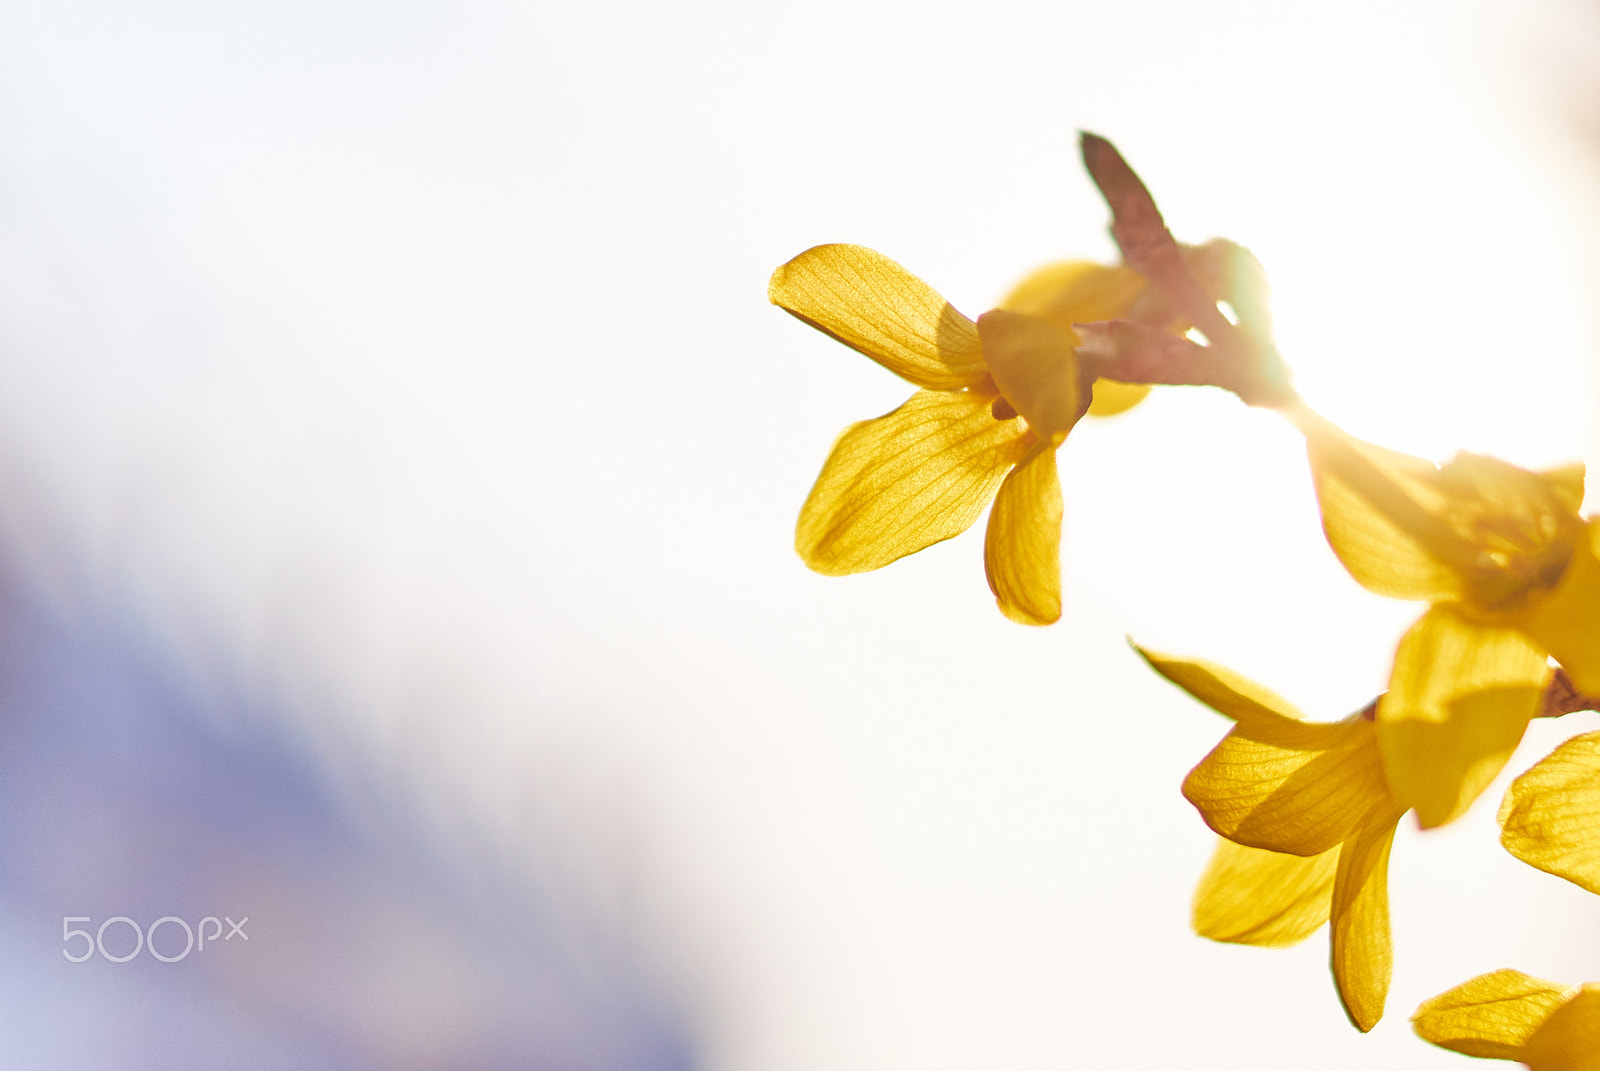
[411, 364]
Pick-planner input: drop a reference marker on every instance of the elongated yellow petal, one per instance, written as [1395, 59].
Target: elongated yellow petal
[1362, 955]
[1566, 620]
[1033, 363]
[1570, 1039]
[1251, 897]
[1491, 1016]
[1550, 817]
[1290, 786]
[1022, 547]
[1223, 690]
[905, 481]
[870, 303]
[1460, 696]
[1378, 512]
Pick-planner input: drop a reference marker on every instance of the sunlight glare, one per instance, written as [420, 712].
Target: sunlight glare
[1421, 289]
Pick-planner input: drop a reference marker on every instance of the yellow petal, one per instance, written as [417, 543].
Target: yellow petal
[1022, 548]
[1460, 696]
[1033, 363]
[1377, 513]
[1221, 689]
[1566, 484]
[1362, 955]
[1479, 530]
[870, 303]
[1076, 291]
[1290, 786]
[1519, 524]
[1275, 781]
[905, 481]
[1550, 817]
[1565, 621]
[1110, 397]
[1492, 1016]
[1570, 1039]
[1251, 897]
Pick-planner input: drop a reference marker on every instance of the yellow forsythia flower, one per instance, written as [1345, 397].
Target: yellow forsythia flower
[1508, 1015]
[996, 398]
[1308, 820]
[1512, 573]
[1550, 817]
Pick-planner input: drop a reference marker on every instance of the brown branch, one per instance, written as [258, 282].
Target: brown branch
[1252, 367]
[1129, 352]
[1147, 245]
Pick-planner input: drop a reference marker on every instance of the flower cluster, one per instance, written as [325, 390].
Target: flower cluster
[1550, 819]
[1507, 567]
[998, 396]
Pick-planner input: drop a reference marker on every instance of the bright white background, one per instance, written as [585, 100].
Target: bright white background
[411, 363]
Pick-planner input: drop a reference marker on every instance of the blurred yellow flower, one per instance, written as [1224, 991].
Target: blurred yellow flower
[1308, 820]
[1508, 1015]
[1056, 292]
[1147, 343]
[1550, 817]
[1512, 573]
[996, 398]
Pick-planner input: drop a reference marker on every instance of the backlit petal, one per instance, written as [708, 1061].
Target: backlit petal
[1376, 507]
[1251, 897]
[1519, 524]
[1479, 530]
[1492, 1016]
[870, 303]
[1362, 954]
[1110, 397]
[1550, 817]
[1290, 786]
[1566, 620]
[1075, 291]
[1034, 366]
[1566, 484]
[1570, 1039]
[905, 481]
[1223, 690]
[1459, 699]
[1022, 548]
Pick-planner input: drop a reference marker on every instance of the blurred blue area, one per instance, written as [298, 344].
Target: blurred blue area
[128, 789]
